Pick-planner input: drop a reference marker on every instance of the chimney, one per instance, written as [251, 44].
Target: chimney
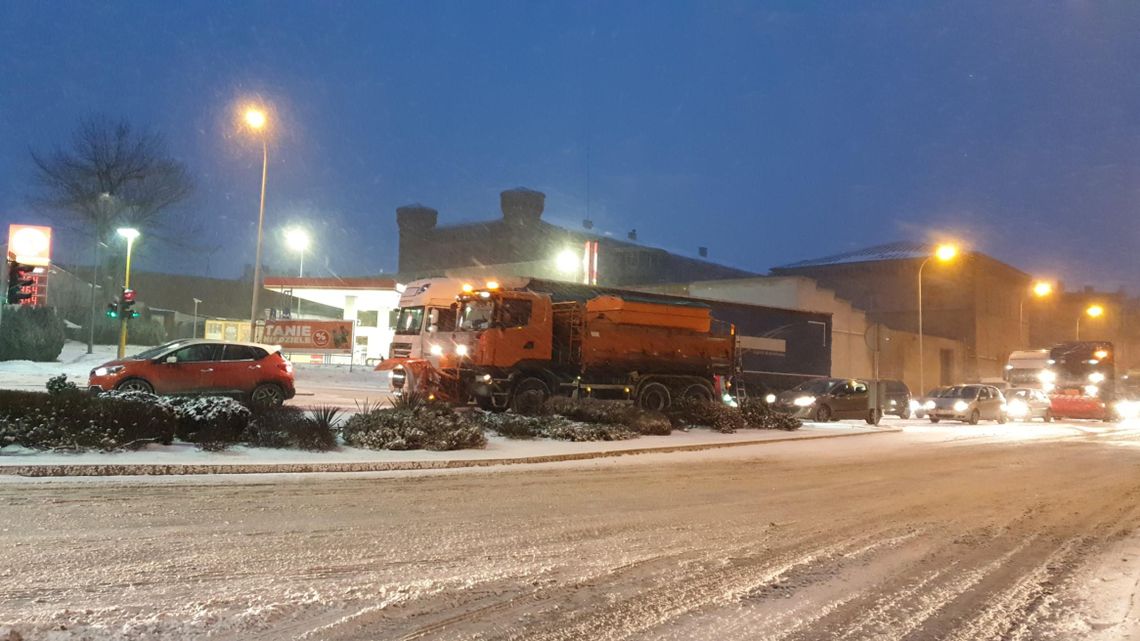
[587, 223]
[703, 252]
[632, 235]
[522, 206]
[416, 218]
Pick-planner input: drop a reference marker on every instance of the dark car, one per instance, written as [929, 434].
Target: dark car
[828, 399]
[258, 373]
[897, 399]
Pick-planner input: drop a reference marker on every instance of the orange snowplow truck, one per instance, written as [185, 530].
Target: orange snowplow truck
[514, 348]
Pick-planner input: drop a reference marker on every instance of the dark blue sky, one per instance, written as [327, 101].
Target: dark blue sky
[769, 132]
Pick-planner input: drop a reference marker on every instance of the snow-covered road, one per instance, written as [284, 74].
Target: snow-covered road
[934, 533]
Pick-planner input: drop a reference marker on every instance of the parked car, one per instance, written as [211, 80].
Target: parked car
[256, 373]
[968, 403]
[1025, 404]
[828, 399]
[897, 401]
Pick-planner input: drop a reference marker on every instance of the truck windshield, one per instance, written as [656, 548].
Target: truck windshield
[476, 315]
[411, 320]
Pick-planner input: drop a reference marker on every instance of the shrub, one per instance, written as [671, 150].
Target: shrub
[714, 414]
[429, 426]
[551, 426]
[77, 421]
[590, 410]
[57, 385]
[208, 420]
[759, 416]
[292, 427]
[31, 333]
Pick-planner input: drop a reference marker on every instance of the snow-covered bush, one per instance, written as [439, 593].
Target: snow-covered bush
[713, 414]
[209, 421]
[590, 410]
[79, 422]
[31, 334]
[552, 426]
[292, 427]
[60, 385]
[759, 416]
[428, 427]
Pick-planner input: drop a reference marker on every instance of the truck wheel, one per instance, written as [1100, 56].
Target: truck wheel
[698, 392]
[529, 395]
[487, 404]
[654, 397]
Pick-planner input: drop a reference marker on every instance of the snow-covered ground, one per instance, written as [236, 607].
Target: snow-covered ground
[936, 532]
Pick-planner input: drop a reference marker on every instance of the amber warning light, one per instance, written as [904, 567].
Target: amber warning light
[30, 244]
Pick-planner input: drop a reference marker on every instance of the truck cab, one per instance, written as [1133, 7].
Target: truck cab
[426, 308]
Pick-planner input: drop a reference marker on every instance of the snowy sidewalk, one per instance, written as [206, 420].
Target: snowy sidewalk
[181, 459]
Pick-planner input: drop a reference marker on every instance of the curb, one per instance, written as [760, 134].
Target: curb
[185, 469]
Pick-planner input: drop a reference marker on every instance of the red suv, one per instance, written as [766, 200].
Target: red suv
[255, 372]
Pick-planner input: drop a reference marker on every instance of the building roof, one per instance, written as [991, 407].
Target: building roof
[903, 250]
[288, 282]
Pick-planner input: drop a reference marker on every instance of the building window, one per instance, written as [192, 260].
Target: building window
[368, 318]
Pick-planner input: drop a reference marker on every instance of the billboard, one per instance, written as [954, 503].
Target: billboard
[29, 245]
[309, 335]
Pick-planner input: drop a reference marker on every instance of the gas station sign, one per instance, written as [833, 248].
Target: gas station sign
[29, 245]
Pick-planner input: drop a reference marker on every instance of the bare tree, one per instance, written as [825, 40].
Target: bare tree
[110, 176]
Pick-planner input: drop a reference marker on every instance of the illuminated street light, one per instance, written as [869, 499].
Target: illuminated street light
[298, 240]
[257, 120]
[1040, 289]
[945, 253]
[1093, 311]
[568, 261]
[130, 234]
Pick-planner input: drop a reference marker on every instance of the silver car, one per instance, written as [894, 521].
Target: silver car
[967, 403]
[1024, 404]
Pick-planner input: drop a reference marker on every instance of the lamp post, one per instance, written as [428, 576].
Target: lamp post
[1040, 289]
[256, 120]
[130, 234]
[195, 332]
[944, 253]
[1093, 311]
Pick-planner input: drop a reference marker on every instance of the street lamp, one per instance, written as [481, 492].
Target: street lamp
[256, 120]
[945, 253]
[1093, 311]
[298, 240]
[1040, 289]
[130, 234]
[196, 302]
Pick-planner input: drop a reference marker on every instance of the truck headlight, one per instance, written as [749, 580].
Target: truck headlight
[461, 350]
[961, 406]
[436, 350]
[1096, 377]
[1091, 390]
[804, 401]
[1047, 376]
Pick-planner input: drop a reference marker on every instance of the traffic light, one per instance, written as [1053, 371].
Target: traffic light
[113, 310]
[17, 281]
[128, 306]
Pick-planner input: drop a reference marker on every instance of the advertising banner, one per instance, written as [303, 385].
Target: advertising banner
[309, 335]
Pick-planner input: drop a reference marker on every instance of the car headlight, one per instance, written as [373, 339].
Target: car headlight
[961, 406]
[461, 350]
[769, 399]
[104, 371]
[436, 350]
[1017, 409]
[804, 401]
[914, 405]
[1127, 409]
[929, 405]
[1096, 377]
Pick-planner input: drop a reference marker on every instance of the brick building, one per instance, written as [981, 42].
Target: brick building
[974, 299]
[521, 243]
